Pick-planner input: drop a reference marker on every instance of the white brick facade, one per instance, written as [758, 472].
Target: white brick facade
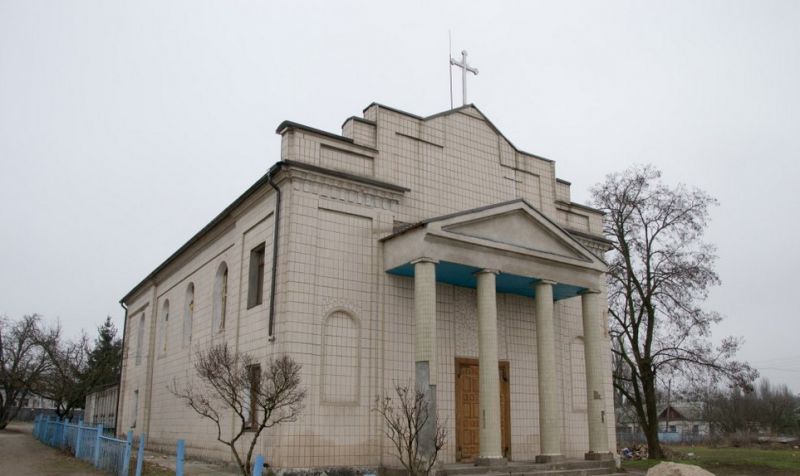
[345, 310]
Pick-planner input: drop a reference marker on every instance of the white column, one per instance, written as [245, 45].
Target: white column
[550, 418]
[425, 345]
[593, 341]
[488, 374]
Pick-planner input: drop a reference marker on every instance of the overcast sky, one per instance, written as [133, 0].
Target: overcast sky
[126, 126]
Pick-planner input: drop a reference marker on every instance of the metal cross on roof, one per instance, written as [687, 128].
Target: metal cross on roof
[464, 68]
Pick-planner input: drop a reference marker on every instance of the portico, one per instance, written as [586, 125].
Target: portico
[509, 248]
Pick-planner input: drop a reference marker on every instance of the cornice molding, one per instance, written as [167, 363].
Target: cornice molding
[344, 190]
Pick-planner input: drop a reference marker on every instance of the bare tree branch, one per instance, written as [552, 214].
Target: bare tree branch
[234, 382]
[405, 415]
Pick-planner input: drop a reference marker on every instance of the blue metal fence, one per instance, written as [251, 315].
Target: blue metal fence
[86, 442]
[105, 452]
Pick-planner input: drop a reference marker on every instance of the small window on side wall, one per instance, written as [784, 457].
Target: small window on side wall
[220, 303]
[188, 314]
[140, 340]
[165, 327]
[255, 288]
[135, 408]
[251, 402]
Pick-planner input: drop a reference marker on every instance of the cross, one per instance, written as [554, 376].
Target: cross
[464, 68]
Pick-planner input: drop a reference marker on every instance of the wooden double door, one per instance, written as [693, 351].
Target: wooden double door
[468, 419]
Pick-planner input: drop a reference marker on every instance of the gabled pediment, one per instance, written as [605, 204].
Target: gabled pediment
[513, 238]
[517, 228]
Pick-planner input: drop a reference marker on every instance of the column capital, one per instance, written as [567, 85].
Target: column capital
[487, 271]
[424, 259]
[589, 291]
[545, 281]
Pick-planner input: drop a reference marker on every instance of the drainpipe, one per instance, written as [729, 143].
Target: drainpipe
[121, 362]
[275, 230]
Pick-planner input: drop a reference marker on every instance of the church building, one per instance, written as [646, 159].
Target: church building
[424, 251]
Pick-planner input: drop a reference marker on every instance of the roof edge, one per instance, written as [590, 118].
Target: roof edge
[582, 207]
[359, 119]
[590, 236]
[457, 110]
[196, 237]
[244, 196]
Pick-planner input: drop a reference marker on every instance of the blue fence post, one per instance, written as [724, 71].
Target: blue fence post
[64, 433]
[180, 454]
[140, 454]
[55, 435]
[97, 445]
[258, 466]
[78, 441]
[126, 458]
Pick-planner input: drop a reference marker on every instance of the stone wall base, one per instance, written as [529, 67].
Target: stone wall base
[592, 456]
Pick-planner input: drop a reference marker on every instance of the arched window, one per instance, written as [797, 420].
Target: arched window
[140, 340]
[188, 314]
[164, 325]
[220, 304]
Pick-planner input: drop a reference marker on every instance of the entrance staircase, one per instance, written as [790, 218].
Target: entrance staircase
[523, 468]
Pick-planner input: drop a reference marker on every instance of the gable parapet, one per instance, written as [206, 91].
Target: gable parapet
[362, 131]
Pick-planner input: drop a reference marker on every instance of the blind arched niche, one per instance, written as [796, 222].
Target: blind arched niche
[341, 358]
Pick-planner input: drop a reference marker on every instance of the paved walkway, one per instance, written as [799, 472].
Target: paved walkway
[22, 455]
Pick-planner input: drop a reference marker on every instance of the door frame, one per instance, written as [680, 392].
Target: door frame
[504, 367]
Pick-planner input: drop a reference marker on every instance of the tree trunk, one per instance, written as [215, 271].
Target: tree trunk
[651, 429]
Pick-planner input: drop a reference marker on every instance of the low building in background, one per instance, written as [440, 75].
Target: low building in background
[101, 407]
[682, 422]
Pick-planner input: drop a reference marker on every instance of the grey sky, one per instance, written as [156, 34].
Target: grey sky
[126, 126]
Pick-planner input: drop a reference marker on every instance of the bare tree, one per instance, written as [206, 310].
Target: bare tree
[404, 421]
[660, 272]
[67, 380]
[769, 408]
[22, 363]
[233, 381]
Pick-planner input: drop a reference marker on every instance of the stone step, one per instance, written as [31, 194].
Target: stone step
[554, 472]
[564, 468]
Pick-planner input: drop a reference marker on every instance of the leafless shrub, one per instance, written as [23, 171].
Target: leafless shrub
[405, 415]
[233, 381]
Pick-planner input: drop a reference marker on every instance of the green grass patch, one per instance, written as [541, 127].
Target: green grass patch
[748, 460]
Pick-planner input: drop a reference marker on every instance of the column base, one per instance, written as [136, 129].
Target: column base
[592, 456]
[549, 458]
[479, 461]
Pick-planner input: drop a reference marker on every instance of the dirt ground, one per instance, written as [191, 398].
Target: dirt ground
[22, 455]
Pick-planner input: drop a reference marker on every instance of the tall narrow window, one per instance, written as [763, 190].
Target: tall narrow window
[164, 326]
[140, 340]
[188, 314]
[135, 408]
[220, 304]
[255, 290]
[251, 401]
